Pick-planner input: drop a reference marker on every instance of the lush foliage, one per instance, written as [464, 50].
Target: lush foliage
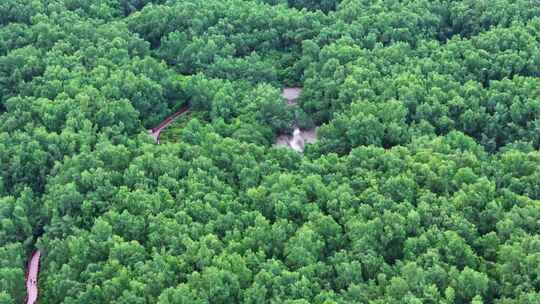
[424, 186]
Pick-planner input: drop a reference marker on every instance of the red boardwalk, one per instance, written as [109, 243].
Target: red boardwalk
[156, 132]
[31, 279]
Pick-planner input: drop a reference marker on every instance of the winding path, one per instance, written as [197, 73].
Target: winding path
[32, 278]
[33, 265]
[156, 132]
[290, 94]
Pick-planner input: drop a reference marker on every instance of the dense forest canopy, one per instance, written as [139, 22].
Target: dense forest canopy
[424, 185]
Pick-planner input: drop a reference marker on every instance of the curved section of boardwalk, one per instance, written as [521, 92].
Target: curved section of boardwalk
[290, 94]
[156, 132]
[32, 278]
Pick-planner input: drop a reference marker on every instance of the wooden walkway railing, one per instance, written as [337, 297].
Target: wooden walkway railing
[32, 278]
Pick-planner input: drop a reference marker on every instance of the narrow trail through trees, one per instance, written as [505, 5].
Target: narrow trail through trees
[33, 265]
[32, 278]
[156, 132]
[295, 142]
